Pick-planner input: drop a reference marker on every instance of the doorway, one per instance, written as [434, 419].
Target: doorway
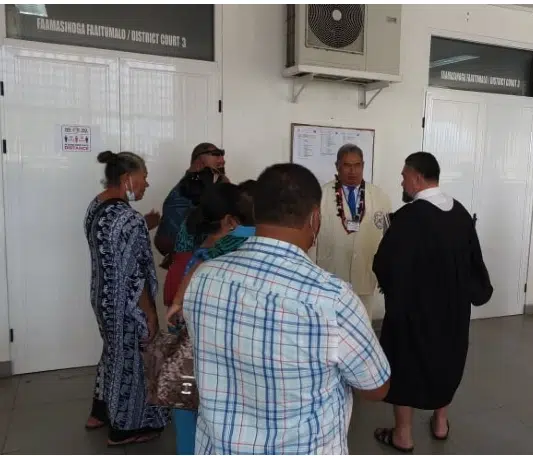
[157, 110]
[484, 146]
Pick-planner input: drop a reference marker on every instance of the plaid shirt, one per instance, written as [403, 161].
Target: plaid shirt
[278, 344]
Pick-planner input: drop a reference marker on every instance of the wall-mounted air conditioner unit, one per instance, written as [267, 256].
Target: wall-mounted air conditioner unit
[354, 43]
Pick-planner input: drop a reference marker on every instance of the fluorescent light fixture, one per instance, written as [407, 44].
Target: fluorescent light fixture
[33, 10]
[450, 60]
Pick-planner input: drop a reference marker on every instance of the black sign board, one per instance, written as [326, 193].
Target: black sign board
[185, 31]
[463, 65]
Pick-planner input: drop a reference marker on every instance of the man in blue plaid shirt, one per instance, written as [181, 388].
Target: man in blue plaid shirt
[279, 343]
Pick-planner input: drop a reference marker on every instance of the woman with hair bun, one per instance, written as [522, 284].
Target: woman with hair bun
[123, 291]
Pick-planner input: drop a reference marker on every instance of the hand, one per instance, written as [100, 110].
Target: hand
[173, 311]
[166, 263]
[220, 177]
[153, 219]
[153, 328]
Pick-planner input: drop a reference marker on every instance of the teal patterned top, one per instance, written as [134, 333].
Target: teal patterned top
[185, 242]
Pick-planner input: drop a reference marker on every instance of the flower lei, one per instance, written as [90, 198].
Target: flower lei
[339, 196]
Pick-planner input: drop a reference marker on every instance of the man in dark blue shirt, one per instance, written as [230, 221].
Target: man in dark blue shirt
[176, 206]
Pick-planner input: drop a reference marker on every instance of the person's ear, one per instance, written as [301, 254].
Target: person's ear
[229, 222]
[125, 181]
[314, 220]
[233, 222]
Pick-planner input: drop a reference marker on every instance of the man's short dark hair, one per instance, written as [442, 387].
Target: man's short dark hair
[285, 195]
[348, 149]
[425, 164]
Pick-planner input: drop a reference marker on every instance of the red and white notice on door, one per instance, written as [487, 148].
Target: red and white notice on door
[76, 138]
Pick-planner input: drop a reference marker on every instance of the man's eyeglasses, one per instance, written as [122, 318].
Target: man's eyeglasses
[213, 152]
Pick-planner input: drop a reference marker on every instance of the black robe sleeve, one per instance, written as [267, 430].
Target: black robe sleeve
[480, 286]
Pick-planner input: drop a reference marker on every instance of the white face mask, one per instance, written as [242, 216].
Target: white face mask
[130, 195]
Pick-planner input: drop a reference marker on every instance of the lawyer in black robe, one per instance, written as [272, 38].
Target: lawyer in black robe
[430, 268]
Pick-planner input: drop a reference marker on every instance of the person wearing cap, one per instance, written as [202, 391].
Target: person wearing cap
[175, 206]
[207, 155]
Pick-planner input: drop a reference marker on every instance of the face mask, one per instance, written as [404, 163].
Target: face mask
[243, 231]
[130, 195]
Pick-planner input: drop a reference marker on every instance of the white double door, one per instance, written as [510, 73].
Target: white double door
[157, 110]
[484, 146]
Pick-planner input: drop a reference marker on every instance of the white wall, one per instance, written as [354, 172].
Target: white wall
[257, 107]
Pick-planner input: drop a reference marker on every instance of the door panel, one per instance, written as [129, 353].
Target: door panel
[47, 193]
[454, 134]
[503, 202]
[159, 111]
[483, 143]
[165, 112]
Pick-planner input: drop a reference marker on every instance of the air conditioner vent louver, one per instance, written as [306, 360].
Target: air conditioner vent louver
[336, 26]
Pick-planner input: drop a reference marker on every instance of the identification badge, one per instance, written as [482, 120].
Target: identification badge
[352, 226]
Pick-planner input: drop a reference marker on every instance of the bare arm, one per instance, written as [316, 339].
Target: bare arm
[480, 285]
[177, 303]
[375, 395]
[163, 244]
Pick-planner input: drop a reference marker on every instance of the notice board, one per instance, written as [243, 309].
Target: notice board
[316, 147]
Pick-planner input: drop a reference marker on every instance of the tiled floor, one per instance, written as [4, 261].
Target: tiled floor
[492, 413]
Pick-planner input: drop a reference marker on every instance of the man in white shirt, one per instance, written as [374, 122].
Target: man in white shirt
[354, 216]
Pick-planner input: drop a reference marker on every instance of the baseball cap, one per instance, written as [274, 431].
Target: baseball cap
[205, 148]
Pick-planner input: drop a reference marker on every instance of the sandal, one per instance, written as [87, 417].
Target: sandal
[432, 430]
[142, 438]
[386, 437]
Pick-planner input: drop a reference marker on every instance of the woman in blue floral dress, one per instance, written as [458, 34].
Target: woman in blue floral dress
[123, 291]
